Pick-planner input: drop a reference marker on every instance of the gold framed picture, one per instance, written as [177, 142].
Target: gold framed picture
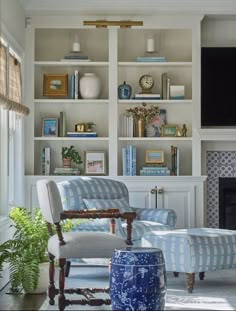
[154, 156]
[55, 85]
[95, 162]
[169, 130]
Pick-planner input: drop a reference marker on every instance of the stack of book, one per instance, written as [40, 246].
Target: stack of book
[174, 160]
[150, 59]
[81, 134]
[147, 96]
[154, 170]
[129, 160]
[66, 171]
[74, 85]
[126, 125]
[75, 56]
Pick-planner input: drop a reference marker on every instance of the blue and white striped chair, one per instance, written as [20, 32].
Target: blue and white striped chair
[101, 193]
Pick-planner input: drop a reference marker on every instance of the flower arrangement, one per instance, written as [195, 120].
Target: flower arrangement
[146, 112]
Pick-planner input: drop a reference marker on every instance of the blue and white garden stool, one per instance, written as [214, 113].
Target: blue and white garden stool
[138, 279]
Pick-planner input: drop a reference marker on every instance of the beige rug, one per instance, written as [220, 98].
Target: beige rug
[216, 292]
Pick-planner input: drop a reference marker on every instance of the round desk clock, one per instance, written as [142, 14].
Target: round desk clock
[146, 83]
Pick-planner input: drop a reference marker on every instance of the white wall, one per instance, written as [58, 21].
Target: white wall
[13, 18]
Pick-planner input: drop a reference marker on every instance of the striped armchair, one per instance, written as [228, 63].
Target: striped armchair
[101, 193]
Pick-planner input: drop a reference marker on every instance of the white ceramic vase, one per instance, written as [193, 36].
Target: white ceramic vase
[90, 86]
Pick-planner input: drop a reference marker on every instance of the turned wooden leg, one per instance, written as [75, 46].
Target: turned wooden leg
[67, 269]
[176, 274]
[201, 275]
[51, 287]
[190, 279]
[61, 298]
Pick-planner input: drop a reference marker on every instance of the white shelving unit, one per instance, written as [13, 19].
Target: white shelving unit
[113, 52]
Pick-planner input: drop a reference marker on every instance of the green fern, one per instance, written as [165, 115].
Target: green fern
[28, 247]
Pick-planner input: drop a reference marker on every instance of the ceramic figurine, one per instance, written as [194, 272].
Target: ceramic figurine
[124, 91]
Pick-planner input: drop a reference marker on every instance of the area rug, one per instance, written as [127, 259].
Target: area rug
[216, 292]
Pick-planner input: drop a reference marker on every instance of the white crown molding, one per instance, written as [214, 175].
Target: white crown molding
[127, 7]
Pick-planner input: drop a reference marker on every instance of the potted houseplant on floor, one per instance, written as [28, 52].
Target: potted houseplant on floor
[69, 155]
[27, 250]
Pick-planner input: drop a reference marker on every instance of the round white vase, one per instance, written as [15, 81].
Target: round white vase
[90, 86]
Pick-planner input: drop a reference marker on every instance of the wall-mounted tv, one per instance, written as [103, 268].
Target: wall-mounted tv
[218, 86]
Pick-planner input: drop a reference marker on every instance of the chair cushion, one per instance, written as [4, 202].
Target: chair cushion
[85, 245]
[99, 204]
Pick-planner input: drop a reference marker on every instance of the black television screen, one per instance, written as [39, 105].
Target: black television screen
[218, 86]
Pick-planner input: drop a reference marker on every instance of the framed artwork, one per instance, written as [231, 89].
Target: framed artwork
[153, 128]
[55, 85]
[95, 162]
[154, 156]
[169, 130]
[50, 127]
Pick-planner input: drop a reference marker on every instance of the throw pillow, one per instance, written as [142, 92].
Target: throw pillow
[105, 204]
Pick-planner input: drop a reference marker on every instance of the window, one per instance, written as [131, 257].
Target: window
[11, 128]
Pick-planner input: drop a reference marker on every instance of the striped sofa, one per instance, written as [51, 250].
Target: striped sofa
[86, 192]
[195, 250]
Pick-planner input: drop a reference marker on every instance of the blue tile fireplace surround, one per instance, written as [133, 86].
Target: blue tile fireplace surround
[221, 165]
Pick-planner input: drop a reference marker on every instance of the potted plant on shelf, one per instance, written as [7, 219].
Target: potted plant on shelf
[89, 126]
[26, 252]
[69, 155]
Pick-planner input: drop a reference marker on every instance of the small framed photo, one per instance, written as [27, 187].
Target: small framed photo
[55, 85]
[95, 162]
[169, 130]
[154, 156]
[50, 127]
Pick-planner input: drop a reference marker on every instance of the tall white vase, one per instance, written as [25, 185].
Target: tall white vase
[90, 86]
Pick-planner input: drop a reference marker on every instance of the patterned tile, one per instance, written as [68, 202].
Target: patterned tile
[219, 164]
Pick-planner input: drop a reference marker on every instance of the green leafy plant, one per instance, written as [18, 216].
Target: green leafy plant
[72, 154]
[89, 125]
[28, 247]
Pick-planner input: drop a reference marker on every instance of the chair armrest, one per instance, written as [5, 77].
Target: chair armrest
[162, 215]
[109, 213]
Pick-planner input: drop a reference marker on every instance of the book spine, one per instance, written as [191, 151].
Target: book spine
[124, 166]
[134, 153]
[43, 161]
[168, 89]
[62, 124]
[47, 161]
[76, 84]
[72, 86]
[164, 85]
[172, 160]
[81, 135]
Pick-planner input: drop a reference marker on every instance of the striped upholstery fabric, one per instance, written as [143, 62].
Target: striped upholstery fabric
[164, 216]
[196, 249]
[100, 193]
[75, 190]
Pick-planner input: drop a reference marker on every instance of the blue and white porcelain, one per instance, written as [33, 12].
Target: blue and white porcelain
[138, 279]
[124, 91]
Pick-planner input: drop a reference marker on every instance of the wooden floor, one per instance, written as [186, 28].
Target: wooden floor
[21, 301]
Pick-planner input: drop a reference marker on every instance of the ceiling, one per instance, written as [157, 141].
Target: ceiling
[127, 7]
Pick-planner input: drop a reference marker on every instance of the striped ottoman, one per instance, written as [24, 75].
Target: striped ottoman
[194, 250]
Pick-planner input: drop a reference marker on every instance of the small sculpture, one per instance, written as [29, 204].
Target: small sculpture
[184, 130]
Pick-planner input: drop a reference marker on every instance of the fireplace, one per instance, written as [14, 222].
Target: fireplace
[227, 203]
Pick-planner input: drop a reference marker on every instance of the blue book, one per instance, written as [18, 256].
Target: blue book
[124, 163]
[72, 86]
[134, 151]
[81, 135]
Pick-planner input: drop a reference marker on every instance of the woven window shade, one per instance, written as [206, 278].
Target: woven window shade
[11, 99]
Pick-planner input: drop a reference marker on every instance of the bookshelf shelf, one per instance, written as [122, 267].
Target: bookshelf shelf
[71, 138]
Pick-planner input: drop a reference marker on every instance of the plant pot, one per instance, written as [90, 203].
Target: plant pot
[66, 163]
[43, 281]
